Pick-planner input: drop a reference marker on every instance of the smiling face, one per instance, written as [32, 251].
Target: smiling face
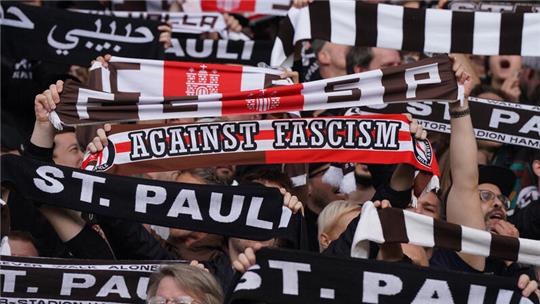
[493, 210]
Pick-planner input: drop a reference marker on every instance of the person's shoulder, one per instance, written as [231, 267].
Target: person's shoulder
[449, 260]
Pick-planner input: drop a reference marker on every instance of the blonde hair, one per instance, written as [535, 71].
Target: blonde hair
[198, 282]
[332, 212]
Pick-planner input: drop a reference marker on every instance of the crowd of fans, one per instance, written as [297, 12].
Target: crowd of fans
[480, 180]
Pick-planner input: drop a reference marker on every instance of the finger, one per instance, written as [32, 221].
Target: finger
[297, 207]
[102, 136]
[286, 199]
[424, 135]
[523, 281]
[413, 126]
[250, 254]
[92, 148]
[54, 93]
[41, 100]
[385, 204]
[531, 287]
[419, 130]
[97, 143]
[107, 127]
[238, 266]
[244, 260]
[292, 202]
[257, 246]
[48, 100]
[282, 191]
[377, 204]
[193, 263]
[59, 87]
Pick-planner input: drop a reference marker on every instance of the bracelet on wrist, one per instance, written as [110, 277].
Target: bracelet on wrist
[458, 114]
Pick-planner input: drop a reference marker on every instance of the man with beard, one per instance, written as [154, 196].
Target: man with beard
[320, 194]
[476, 198]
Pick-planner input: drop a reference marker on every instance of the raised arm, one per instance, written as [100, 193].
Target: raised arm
[463, 202]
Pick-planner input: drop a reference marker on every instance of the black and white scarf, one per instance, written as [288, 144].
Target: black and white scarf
[53, 281]
[500, 121]
[249, 212]
[244, 52]
[75, 38]
[285, 276]
[194, 23]
[429, 79]
[392, 225]
[409, 29]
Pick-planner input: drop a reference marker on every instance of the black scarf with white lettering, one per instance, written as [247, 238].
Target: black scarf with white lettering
[249, 212]
[245, 52]
[284, 276]
[74, 38]
[31, 280]
[500, 121]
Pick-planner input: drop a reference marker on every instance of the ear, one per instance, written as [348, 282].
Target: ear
[357, 69]
[324, 241]
[536, 167]
[323, 57]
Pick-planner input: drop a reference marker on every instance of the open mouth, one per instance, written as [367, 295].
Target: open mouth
[496, 216]
[505, 64]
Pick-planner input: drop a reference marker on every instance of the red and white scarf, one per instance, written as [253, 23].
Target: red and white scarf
[381, 139]
[265, 7]
[138, 91]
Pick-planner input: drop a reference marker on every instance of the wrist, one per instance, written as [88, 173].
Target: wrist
[457, 113]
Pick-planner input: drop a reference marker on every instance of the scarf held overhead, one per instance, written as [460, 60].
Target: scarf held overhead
[141, 99]
[409, 29]
[381, 139]
[57, 35]
[505, 122]
[266, 7]
[392, 225]
[248, 212]
[285, 276]
[249, 52]
[46, 280]
[193, 23]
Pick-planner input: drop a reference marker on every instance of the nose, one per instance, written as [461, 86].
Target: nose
[497, 203]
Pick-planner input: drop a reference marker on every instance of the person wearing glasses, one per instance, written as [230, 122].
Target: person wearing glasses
[477, 198]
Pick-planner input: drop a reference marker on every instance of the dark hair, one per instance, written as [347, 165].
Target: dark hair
[482, 88]
[271, 175]
[358, 56]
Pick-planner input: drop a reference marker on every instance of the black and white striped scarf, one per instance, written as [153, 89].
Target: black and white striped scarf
[409, 29]
[393, 225]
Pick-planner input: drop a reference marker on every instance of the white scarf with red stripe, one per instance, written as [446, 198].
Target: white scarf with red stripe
[381, 139]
